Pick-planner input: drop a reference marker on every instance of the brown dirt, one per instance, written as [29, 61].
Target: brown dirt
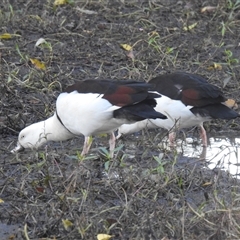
[133, 196]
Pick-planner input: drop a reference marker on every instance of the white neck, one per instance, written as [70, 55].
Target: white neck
[54, 130]
[48, 130]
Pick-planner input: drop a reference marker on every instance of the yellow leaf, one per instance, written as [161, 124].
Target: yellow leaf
[231, 103]
[126, 47]
[1, 201]
[5, 36]
[36, 17]
[38, 64]
[60, 2]
[8, 35]
[102, 236]
[216, 66]
[207, 184]
[190, 27]
[153, 34]
[67, 224]
[208, 9]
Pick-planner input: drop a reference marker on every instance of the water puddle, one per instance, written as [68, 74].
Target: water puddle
[222, 153]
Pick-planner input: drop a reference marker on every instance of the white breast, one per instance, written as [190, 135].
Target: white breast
[179, 115]
[86, 113]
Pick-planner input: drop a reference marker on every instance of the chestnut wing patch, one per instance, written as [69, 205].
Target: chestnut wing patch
[202, 95]
[119, 93]
[191, 89]
[124, 95]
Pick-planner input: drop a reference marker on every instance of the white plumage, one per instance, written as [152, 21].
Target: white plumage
[89, 108]
[187, 100]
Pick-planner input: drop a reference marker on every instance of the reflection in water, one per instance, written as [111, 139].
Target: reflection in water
[223, 153]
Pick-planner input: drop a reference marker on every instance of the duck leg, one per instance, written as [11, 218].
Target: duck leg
[112, 143]
[203, 135]
[172, 138]
[87, 144]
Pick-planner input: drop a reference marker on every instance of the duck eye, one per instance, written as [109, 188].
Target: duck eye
[23, 136]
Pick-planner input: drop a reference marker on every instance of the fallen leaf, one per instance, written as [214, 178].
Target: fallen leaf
[6, 36]
[40, 41]
[207, 184]
[60, 2]
[1, 201]
[102, 236]
[231, 103]
[152, 34]
[216, 66]
[190, 27]
[208, 9]
[126, 47]
[11, 237]
[67, 224]
[40, 189]
[38, 64]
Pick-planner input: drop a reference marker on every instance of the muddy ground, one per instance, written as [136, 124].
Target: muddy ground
[146, 191]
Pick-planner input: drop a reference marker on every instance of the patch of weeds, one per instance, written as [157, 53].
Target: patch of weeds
[147, 24]
[28, 74]
[82, 231]
[167, 55]
[46, 47]
[170, 55]
[82, 158]
[226, 26]
[220, 210]
[169, 50]
[12, 75]
[122, 160]
[7, 13]
[232, 7]
[41, 156]
[161, 163]
[23, 57]
[229, 58]
[107, 155]
[229, 61]
[153, 41]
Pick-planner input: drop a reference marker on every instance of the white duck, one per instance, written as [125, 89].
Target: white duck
[187, 100]
[92, 107]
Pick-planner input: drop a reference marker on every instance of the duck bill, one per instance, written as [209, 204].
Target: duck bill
[18, 148]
